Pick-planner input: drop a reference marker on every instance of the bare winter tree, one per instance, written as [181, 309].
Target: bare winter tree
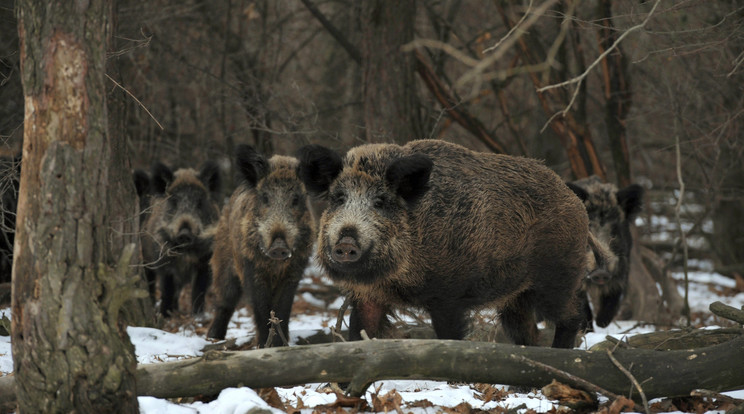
[390, 106]
[71, 352]
[483, 74]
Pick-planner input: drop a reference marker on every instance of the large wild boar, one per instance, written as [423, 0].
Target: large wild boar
[434, 225]
[263, 243]
[179, 231]
[611, 211]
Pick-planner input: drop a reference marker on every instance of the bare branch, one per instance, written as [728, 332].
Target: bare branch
[479, 66]
[678, 214]
[631, 378]
[504, 46]
[445, 47]
[580, 78]
[136, 100]
[526, 13]
[333, 31]
[570, 378]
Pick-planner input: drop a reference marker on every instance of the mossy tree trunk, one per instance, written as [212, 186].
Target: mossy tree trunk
[71, 353]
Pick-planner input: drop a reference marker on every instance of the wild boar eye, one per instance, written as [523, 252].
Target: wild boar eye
[379, 202]
[337, 198]
[295, 200]
[264, 198]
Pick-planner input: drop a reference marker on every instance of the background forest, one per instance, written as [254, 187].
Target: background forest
[201, 77]
[646, 92]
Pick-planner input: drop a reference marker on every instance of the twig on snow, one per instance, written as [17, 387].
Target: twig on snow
[274, 330]
[632, 380]
[569, 377]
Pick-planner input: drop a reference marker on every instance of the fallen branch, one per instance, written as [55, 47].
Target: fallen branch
[565, 376]
[632, 380]
[363, 362]
[716, 395]
[673, 340]
[728, 312]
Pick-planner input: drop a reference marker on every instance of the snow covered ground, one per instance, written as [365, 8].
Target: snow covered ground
[154, 346]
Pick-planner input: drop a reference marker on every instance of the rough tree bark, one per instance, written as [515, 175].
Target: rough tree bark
[618, 95]
[728, 221]
[390, 110]
[124, 223]
[70, 351]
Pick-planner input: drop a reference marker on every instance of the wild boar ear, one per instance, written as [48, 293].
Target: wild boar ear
[630, 199]
[409, 176]
[141, 182]
[319, 166]
[252, 166]
[162, 176]
[211, 177]
[580, 192]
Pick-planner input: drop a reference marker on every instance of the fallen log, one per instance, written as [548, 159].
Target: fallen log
[728, 312]
[672, 340]
[361, 363]
[661, 373]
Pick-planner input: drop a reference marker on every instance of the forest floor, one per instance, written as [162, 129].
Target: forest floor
[316, 310]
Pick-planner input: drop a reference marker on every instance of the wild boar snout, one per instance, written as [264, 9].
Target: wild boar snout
[279, 249]
[346, 250]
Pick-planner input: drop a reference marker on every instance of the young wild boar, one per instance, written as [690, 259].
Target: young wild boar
[611, 211]
[435, 225]
[263, 243]
[178, 233]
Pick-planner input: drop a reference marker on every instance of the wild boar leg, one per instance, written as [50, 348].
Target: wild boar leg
[518, 320]
[228, 296]
[282, 307]
[448, 320]
[199, 286]
[168, 295]
[366, 315]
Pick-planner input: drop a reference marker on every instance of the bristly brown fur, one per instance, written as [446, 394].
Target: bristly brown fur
[245, 233]
[180, 201]
[488, 230]
[610, 212]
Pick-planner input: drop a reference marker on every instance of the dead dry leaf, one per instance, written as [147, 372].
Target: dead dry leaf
[568, 396]
[620, 405]
[271, 397]
[388, 402]
[489, 392]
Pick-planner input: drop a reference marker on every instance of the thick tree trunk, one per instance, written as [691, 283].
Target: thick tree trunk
[125, 223]
[728, 218]
[70, 352]
[390, 110]
[618, 95]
